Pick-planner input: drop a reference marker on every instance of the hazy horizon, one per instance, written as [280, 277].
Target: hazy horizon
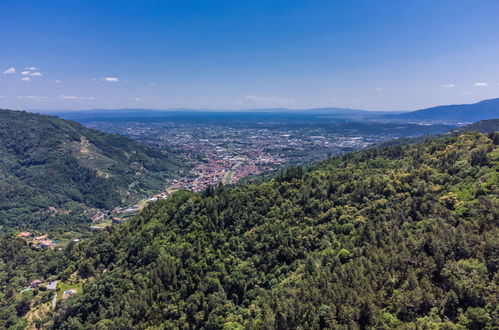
[388, 56]
[247, 110]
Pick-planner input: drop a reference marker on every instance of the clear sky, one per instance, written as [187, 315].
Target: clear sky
[233, 54]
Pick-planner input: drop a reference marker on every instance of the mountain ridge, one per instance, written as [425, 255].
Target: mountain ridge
[48, 162]
[464, 113]
[485, 109]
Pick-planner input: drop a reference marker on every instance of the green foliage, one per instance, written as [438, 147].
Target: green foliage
[398, 237]
[468, 278]
[483, 126]
[19, 265]
[50, 162]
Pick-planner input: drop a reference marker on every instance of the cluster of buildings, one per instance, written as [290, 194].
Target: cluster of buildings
[50, 286]
[39, 283]
[100, 215]
[161, 195]
[228, 151]
[114, 221]
[41, 241]
[117, 216]
[204, 175]
[227, 169]
[249, 168]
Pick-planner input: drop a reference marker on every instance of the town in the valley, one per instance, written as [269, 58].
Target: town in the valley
[228, 149]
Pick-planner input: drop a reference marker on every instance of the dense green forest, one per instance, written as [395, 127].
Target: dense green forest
[399, 237]
[52, 170]
[483, 126]
[19, 265]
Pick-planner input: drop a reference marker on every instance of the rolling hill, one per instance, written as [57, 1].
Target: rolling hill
[403, 237]
[483, 126]
[51, 170]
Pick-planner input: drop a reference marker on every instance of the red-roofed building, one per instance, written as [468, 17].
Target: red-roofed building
[35, 283]
[68, 293]
[118, 221]
[47, 244]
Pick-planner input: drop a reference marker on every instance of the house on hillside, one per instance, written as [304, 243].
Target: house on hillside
[68, 293]
[35, 283]
[46, 244]
[96, 217]
[118, 221]
[25, 234]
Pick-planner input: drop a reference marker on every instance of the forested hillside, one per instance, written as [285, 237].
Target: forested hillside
[483, 126]
[53, 169]
[399, 237]
[20, 264]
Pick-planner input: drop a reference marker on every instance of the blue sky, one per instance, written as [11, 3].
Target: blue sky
[379, 55]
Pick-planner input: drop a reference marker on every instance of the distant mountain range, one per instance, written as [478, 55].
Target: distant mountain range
[451, 114]
[456, 113]
[487, 109]
[141, 113]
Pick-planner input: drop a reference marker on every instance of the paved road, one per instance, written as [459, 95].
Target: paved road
[54, 300]
[227, 179]
[52, 285]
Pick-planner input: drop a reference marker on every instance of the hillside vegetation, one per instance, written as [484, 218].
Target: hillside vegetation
[483, 126]
[51, 170]
[401, 237]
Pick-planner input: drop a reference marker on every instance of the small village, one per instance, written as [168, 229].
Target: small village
[41, 241]
[227, 170]
[52, 291]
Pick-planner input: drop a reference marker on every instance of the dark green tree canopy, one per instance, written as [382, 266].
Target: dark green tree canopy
[397, 237]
